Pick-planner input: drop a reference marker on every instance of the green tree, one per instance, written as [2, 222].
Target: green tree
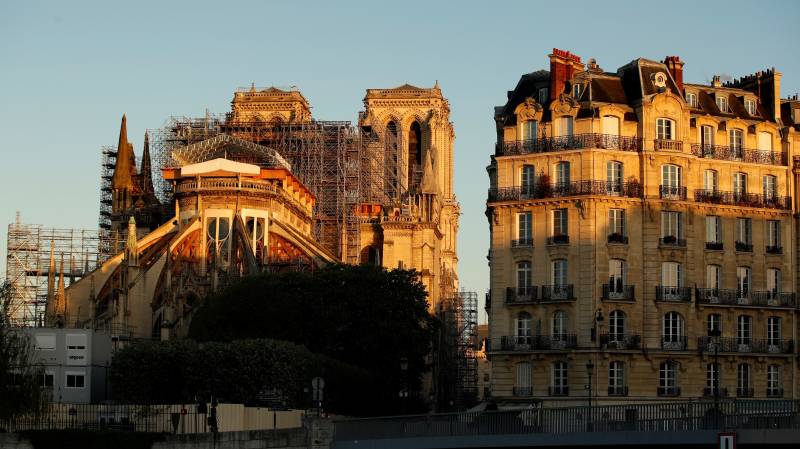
[20, 376]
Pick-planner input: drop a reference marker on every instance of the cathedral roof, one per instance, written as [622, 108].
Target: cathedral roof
[228, 147]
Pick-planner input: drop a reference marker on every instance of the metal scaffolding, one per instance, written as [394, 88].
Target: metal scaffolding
[29, 269]
[457, 378]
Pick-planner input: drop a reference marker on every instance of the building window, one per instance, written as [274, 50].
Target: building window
[744, 234]
[744, 330]
[671, 274]
[668, 379]
[616, 378]
[707, 139]
[528, 131]
[713, 232]
[524, 380]
[577, 90]
[46, 380]
[564, 126]
[543, 95]
[616, 279]
[710, 180]
[75, 380]
[560, 224]
[665, 129]
[671, 227]
[616, 223]
[562, 174]
[559, 378]
[671, 181]
[523, 277]
[743, 381]
[525, 228]
[614, 177]
[713, 324]
[773, 283]
[524, 328]
[559, 272]
[773, 236]
[764, 141]
[774, 335]
[616, 325]
[770, 184]
[739, 184]
[672, 332]
[774, 381]
[712, 378]
[722, 103]
[713, 275]
[691, 98]
[736, 142]
[750, 105]
[610, 125]
[558, 331]
[743, 283]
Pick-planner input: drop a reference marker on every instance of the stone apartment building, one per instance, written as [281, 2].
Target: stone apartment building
[642, 236]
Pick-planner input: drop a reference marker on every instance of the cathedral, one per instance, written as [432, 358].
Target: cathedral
[267, 187]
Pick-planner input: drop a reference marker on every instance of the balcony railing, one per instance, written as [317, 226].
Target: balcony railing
[560, 239]
[617, 390]
[742, 199]
[522, 243]
[668, 145]
[744, 247]
[620, 341]
[672, 241]
[731, 297]
[771, 249]
[673, 294]
[631, 189]
[721, 392]
[522, 295]
[618, 292]
[674, 343]
[616, 237]
[727, 153]
[526, 343]
[558, 391]
[672, 192]
[746, 345]
[562, 292]
[573, 142]
[669, 391]
[774, 392]
[715, 246]
[744, 392]
[522, 391]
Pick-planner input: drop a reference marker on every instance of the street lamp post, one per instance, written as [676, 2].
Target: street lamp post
[590, 372]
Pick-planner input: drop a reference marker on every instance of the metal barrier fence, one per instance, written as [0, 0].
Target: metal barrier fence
[663, 417]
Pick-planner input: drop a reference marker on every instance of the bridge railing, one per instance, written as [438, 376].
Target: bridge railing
[661, 417]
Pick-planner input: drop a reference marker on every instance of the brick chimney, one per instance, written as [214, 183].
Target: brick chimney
[563, 66]
[767, 85]
[675, 67]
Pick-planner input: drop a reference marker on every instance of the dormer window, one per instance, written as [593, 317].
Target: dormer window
[577, 90]
[722, 103]
[543, 95]
[691, 98]
[750, 105]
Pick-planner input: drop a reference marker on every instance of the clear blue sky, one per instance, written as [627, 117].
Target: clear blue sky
[68, 70]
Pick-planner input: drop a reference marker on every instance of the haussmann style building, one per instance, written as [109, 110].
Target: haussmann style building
[642, 236]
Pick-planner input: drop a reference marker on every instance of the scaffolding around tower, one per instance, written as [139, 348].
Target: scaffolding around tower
[457, 379]
[31, 252]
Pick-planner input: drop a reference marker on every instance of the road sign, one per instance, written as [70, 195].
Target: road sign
[727, 440]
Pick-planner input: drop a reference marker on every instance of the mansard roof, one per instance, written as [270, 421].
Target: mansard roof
[229, 147]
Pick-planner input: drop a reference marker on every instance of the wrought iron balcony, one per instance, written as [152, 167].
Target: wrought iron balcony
[721, 392]
[727, 153]
[616, 237]
[668, 145]
[744, 392]
[744, 247]
[745, 345]
[672, 241]
[560, 239]
[771, 249]
[672, 192]
[617, 390]
[731, 297]
[620, 341]
[558, 391]
[528, 343]
[673, 294]
[522, 391]
[669, 391]
[618, 292]
[774, 392]
[573, 142]
[552, 293]
[522, 295]
[522, 243]
[715, 246]
[631, 189]
[742, 199]
[674, 343]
